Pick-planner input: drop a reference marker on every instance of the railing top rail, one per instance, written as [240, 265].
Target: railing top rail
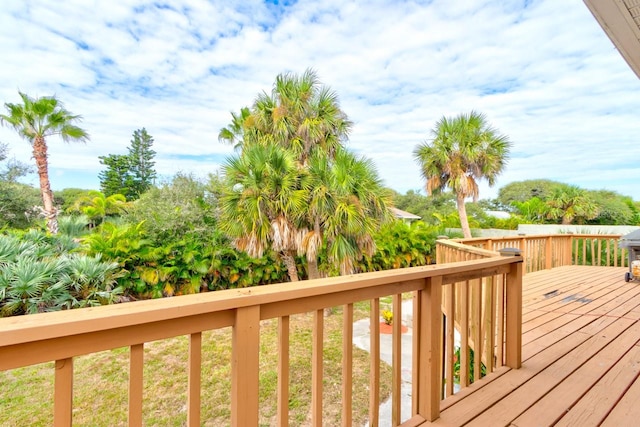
[36, 327]
[538, 236]
[466, 248]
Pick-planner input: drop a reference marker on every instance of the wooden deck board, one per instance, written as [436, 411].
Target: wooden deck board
[581, 356]
[594, 405]
[570, 375]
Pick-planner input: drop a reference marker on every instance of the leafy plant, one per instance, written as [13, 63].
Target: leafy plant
[38, 273]
[387, 316]
[401, 245]
[456, 366]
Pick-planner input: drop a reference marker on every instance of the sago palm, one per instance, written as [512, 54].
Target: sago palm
[463, 150]
[36, 119]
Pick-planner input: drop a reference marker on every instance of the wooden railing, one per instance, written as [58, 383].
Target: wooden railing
[542, 252]
[472, 309]
[62, 336]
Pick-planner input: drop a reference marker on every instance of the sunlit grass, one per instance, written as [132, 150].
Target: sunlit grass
[101, 380]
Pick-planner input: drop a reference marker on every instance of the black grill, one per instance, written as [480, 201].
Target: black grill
[631, 242]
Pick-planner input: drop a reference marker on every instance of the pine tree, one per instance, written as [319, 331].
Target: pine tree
[116, 179]
[141, 158]
[132, 174]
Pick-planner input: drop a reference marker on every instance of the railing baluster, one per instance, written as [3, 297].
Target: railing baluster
[477, 335]
[136, 366]
[396, 361]
[245, 364]
[283, 371]
[490, 310]
[374, 370]
[500, 284]
[464, 333]
[63, 395]
[415, 349]
[449, 340]
[317, 368]
[195, 379]
[347, 365]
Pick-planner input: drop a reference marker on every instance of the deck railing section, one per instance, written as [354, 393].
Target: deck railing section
[475, 312]
[542, 252]
[62, 336]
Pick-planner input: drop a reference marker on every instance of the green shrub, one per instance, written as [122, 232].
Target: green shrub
[399, 244]
[39, 273]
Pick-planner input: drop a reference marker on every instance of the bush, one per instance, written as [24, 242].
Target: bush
[40, 273]
[399, 244]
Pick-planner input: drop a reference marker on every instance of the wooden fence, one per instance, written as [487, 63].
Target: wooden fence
[542, 252]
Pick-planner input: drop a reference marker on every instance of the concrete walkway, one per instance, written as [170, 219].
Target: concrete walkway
[361, 339]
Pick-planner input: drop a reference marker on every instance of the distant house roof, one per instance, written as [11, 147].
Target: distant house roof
[398, 213]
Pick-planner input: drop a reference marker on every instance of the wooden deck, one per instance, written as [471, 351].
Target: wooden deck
[581, 357]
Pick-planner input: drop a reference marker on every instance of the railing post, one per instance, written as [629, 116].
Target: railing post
[136, 385]
[524, 253]
[548, 253]
[429, 375]
[513, 299]
[195, 379]
[63, 398]
[245, 367]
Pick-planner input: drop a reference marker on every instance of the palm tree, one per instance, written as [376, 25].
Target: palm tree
[97, 207]
[347, 205]
[262, 203]
[300, 114]
[463, 150]
[234, 133]
[569, 202]
[303, 118]
[35, 120]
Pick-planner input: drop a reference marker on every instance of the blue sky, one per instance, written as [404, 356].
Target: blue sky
[542, 71]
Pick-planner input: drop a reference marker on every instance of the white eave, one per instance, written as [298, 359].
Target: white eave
[400, 214]
[620, 19]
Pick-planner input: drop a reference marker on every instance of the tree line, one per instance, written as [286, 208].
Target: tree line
[292, 203]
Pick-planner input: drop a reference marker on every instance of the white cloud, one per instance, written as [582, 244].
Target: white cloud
[545, 74]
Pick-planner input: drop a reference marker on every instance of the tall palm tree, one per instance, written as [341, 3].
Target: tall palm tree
[299, 114]
[303, 118]
[35, 120]
[262, 203]
[463, 150]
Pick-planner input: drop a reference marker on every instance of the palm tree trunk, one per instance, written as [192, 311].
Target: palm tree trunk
[312, 266]
[464, 220]
[40, 156]
[290, 263]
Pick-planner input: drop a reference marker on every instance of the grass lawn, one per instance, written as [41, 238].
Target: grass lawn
[101, 380]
